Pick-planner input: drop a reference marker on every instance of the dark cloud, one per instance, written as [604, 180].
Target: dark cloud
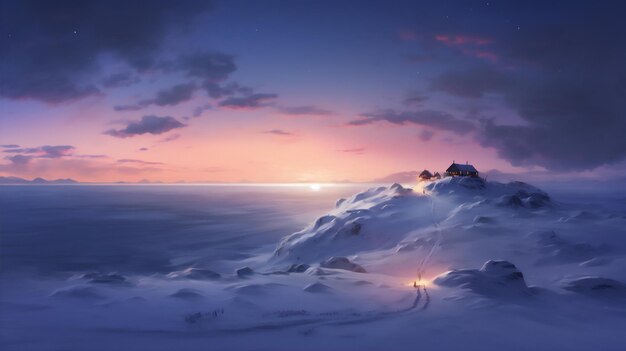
[304, 110]
[414, 100]
[9, 146]
[571, 97]
[46, 151]
[175, 95]
[209, 66]
[147, 125]
[49, 50]
[474, 82]
[143, 149]
[141, 162]
[19, 160]
[428, 118]
[217, 91]
[277, 132]
[253, 101]
[167, 97]
[133, 107]
[122, 79]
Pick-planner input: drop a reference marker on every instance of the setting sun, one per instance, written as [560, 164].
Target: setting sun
[315, 187]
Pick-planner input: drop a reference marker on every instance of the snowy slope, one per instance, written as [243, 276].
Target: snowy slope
[455, 263]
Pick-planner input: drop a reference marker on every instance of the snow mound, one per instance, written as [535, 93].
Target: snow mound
[298, 268]
[317, 288]
[494, 279]
[595, 286]
[244, 272]
[187, 294]
[104, 278]
[195, 274]
[342, 263]
[79, 293]
[257, 289]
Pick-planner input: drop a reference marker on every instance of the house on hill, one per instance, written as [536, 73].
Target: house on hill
[425, 175]
[436, 176]
[461, 170]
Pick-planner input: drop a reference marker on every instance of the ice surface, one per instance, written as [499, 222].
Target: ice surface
[459, 263]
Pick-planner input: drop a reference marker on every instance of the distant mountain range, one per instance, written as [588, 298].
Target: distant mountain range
[18, 181]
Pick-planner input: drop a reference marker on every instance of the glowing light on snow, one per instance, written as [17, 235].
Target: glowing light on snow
[423, 282]
[315, 187]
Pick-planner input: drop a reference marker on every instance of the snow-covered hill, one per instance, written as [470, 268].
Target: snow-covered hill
[461, 223]
[458, 263]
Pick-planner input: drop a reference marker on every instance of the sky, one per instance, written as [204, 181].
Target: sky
[310, 91]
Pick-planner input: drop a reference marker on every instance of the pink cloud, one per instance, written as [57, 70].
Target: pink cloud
[461, 39]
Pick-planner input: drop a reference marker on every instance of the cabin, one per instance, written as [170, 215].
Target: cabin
[436, 176]
[425, 175]
[461, 170]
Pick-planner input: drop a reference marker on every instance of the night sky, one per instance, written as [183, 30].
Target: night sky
[317, 91]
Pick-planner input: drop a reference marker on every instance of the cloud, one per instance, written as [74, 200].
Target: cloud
[49, 50]
[9, 146]
[91, 156]
[121, 79]
[277, 132]
[428, 118]
[147, 125]
[208, 66]
[473, 82]
[46, 151]
[19, 160]
[134, 107]
[250, 102]
[426, 135]
[217, 91]
[414, 100]
[563, 112]
[169, 138]
[143, 149]
[556, 89]
[304, 110]
[355, 151]
[141, 162]
[175, 95]
[166, 97]
[198, 111]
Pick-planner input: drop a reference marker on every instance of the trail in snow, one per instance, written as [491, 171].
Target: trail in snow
[421, 269]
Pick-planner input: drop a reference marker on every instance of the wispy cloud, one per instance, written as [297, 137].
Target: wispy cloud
[277, 132]
[354, 151]
[147, 125]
